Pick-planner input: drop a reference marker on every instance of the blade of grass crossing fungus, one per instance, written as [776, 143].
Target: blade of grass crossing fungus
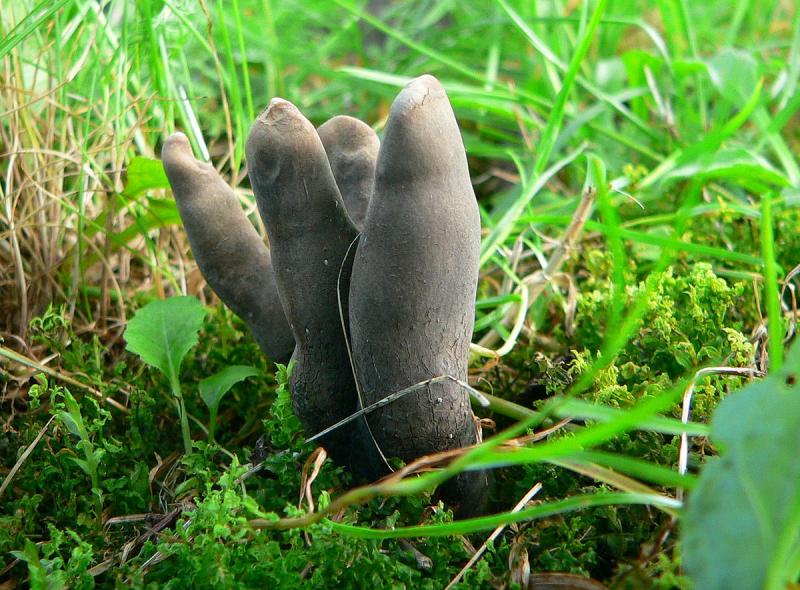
[485, 454]
[482, 456]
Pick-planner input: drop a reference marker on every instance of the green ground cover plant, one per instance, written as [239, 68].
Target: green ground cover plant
[637, 178]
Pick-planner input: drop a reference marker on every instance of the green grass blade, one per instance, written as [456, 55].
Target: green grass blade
[597, 173]
[505, 226]
[556, 117]
[575, 408]
[542, 47]
[248, 91]
[666, 242]
[472, 525]
[771, 293]
[31, 23]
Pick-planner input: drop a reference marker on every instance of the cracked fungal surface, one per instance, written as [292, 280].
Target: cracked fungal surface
[231, 255]
[310, 233]
[415, 274]
[405, 287]
[352, 148]
[229, 251]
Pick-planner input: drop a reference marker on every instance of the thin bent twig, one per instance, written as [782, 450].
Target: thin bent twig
[392, 397]
[496, 533]
[536, 283]
[24, 457]
[683, 452]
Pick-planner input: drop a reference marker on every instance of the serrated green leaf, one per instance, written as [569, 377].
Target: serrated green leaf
[213, 388]
[163, 331]
[741, 522]
[144, 174]
[41, 576]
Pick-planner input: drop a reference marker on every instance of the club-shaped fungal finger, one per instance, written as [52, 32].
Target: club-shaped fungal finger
[412, 293]
[310, 233]
[231, 255]
[352, 148]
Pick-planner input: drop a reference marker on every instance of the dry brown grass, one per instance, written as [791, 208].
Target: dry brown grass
[63, 150]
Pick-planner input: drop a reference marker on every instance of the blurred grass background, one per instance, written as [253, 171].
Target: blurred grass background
[89, 85]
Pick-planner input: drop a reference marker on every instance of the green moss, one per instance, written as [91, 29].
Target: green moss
[688, 320]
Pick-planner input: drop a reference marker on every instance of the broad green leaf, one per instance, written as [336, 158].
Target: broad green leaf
[734, 73]
[742, 520]
[163, 331]
[213, 388]
[144, 174]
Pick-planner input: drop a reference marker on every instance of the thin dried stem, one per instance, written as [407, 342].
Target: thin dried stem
[534, 284]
